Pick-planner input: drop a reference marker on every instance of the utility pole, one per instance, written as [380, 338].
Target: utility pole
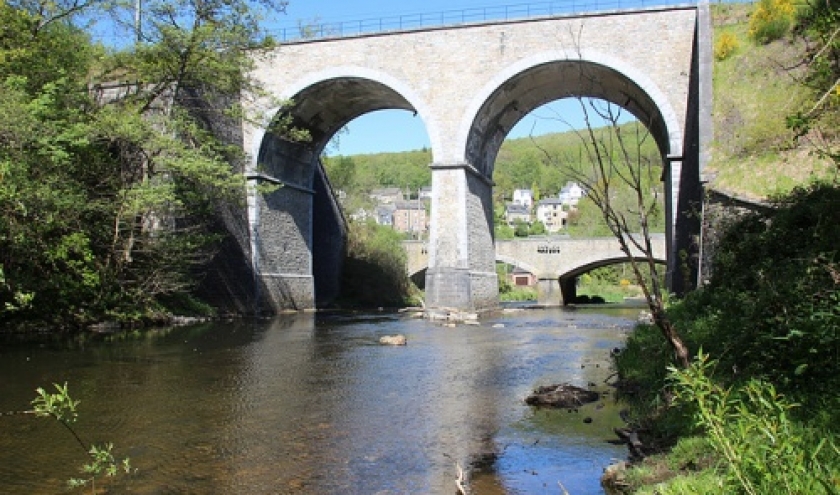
[138, 6]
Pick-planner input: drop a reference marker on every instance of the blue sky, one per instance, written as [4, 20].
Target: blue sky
[400, 130]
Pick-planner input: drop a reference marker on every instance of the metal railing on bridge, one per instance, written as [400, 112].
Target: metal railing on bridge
[405, 22]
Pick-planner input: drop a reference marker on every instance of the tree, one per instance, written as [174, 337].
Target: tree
[342, 172]
[520, 228]
[109, 188]
[537, 228]
[614, 158]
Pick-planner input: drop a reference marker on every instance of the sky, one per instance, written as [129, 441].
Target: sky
[400, 130]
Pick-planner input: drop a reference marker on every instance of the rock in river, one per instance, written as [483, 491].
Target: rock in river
[563, 395]
[398, 339]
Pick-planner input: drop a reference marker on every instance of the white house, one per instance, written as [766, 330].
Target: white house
[571, 193]
[523, 197]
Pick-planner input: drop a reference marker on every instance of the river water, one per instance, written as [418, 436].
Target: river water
[312, 404]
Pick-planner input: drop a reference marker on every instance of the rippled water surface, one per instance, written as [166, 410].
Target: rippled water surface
[312, 404]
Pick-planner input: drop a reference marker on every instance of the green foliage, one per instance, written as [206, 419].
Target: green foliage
[518, 294]
[772, 307]
[57, 405]
[375, 267]
[106, 203]
[763, 449]
[771, 20]
[613, 283]
[62, 408]
[520, 228]
[755, 87]
[537, 228]
[817, 122]
[770, 316]
[341, 172]
[408, 170]
[504, 231]
[102, 462]
[503, 274]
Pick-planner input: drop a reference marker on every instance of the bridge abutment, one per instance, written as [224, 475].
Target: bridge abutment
[462, 258]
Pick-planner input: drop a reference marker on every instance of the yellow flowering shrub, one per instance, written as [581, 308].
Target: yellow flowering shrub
[725, 46]
[771, 20]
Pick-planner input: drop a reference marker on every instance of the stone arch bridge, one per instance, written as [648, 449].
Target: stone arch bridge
[470, 84]
[556, 262]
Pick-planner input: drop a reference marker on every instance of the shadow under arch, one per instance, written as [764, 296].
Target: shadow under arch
[299, 243]
[532, 82]
[568, 280]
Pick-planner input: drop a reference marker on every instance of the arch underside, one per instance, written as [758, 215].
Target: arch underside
[551, 81]
[324, 108]
[588, 267]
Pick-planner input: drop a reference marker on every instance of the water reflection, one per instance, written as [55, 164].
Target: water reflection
[312, 404]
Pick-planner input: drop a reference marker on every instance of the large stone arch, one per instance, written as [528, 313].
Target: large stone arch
[298, 230]
[544, 77]
[508, 96]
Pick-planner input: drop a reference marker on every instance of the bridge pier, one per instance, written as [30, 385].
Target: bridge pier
[556, 291]
[281, 224]
[548, 292]
[462, 256]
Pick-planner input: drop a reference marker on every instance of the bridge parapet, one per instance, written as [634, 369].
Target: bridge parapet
[458, 17]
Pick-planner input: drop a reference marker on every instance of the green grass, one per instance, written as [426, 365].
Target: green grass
[755, 89]
[519, 294]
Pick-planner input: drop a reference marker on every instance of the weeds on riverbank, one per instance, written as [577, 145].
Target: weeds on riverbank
[762, 390]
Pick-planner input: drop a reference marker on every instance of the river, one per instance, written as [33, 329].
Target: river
[312, 404]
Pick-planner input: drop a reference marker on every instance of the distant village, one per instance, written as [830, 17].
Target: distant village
[408, 213]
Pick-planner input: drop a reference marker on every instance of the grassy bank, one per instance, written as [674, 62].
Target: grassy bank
[757, 412]
[754, 153]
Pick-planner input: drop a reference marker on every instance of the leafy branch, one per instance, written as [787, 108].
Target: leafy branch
[63, 408]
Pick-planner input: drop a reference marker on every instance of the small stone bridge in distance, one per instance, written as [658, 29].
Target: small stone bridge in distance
[557, 262]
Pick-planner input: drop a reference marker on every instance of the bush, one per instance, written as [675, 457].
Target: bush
[751, 429]
[725, 46]
[374, 269]
[772, 307]
[771, 20]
